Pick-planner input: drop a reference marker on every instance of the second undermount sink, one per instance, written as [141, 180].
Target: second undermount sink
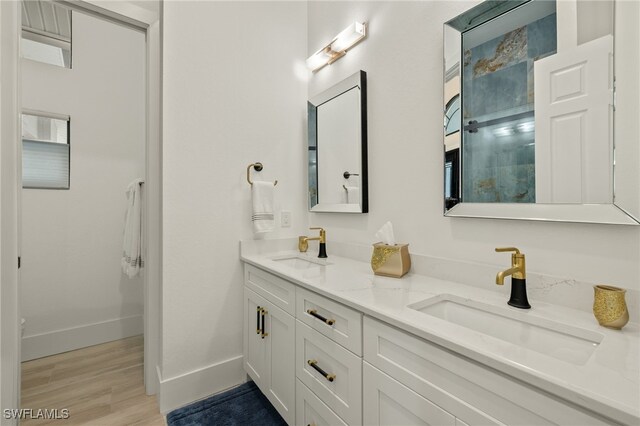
[300, 261]
[555, 339]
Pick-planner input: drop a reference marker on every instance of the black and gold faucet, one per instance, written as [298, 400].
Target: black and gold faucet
[518, 274]
[303, 242]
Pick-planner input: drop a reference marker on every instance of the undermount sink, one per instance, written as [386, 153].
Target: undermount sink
[300, 261]
[555, 339]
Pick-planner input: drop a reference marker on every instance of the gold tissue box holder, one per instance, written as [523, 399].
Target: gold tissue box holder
[390, 261]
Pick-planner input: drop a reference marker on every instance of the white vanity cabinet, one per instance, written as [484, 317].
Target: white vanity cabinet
[310, 363]
[269, 348]
[320, 362]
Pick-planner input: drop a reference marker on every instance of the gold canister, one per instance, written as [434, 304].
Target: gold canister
[390, 261]
[609, 306]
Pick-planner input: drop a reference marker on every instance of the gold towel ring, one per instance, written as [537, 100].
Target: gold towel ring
[258, 168]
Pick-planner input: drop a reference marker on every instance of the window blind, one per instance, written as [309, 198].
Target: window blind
[45, 165]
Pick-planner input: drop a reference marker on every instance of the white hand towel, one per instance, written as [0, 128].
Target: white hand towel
[353, 194]
[131, 261]
[262, 211]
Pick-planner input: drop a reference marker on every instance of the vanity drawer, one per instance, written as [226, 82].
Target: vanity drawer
[276, 290]
[339, 383]
[482, 394]
[311, 411]
[343, 325]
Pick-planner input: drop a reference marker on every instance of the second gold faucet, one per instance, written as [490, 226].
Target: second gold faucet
[518, 274]
[303, 242]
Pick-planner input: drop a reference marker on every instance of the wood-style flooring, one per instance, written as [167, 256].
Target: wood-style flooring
[100, 385]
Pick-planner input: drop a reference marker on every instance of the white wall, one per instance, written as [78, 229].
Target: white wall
[72, 239]
[234, 92]
[402, 56]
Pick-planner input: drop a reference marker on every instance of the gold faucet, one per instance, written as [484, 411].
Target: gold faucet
[517, 269]
[303, 242]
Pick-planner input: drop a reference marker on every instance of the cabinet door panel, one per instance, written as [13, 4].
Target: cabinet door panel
[255, 349]
[280, 343]
[387, 402]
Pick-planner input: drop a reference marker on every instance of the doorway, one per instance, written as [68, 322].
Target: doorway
[83, 142]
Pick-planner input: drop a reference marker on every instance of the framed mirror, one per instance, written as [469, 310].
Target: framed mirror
[337, 120]
[529, 101]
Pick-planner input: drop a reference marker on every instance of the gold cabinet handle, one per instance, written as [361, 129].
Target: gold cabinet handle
[315, 314]
[314, 364]
[263, 312]
[258, 309]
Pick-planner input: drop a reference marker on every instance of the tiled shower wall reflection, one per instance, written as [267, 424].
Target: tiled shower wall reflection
[497, 92]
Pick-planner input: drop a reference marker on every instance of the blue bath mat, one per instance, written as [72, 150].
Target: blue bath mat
[243, 405]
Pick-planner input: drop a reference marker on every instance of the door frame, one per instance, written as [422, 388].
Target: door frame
[123, 13]
[9, 202]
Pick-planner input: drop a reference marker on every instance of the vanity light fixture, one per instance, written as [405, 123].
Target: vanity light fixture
[338, 47]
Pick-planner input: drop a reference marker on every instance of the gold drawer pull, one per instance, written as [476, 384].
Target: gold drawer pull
[314, 313]
[263, 312]
[258, 309]
[313, 363]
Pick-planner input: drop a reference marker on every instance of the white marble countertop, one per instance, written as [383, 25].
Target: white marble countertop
[608, 383]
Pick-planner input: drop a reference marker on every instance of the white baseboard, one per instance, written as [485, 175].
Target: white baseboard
[189, 387]
[55, 342]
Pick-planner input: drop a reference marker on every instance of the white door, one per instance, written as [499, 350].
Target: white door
[388, 402]
[574, 124]
[255, 349]
[280, 350]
